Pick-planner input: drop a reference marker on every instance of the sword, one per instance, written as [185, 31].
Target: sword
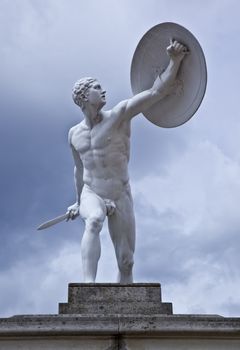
[53, 221]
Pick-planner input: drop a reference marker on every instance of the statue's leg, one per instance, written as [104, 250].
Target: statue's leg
[93, 211]
[122, 230]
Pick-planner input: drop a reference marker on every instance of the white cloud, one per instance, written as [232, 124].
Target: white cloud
[37, 283]
[201, 186]
[197, 221]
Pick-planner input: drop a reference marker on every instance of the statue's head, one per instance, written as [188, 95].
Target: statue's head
[81, 92]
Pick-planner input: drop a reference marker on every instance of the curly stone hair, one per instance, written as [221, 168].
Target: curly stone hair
[80, 88]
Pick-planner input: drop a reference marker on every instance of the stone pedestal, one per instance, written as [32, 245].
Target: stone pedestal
[113, 298]
[118, 317]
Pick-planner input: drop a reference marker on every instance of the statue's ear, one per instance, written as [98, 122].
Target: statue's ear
[85, 98]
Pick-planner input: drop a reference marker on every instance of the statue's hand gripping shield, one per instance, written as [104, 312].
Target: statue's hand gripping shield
[150, 59]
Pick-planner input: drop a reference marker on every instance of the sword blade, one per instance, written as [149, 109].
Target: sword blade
[53, 221]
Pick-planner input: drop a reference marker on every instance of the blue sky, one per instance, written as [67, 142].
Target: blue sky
[185, 181]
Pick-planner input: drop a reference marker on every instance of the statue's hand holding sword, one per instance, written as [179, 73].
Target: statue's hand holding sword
[72, 213]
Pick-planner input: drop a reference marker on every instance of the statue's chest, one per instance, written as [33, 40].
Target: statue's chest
[87, 140]
[101, 136]
[81, 141]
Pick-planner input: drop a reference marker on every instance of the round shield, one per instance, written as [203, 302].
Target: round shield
[151, 59]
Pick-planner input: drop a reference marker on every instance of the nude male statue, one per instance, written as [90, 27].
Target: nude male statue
[100, 146]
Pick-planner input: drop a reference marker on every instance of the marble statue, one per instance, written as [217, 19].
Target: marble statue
[100, 147]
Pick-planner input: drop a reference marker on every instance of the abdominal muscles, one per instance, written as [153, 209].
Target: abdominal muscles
[105, 168]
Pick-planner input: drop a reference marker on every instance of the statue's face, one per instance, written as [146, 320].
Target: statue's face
[96, 95]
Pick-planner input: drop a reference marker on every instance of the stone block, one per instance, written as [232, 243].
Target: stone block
[114, 298]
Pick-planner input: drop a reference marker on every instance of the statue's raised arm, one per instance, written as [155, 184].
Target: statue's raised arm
[162, 84]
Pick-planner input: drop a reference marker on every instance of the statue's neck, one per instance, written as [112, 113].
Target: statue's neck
[92, 116]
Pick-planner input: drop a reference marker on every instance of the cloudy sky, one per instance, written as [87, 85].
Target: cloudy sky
[185, 181]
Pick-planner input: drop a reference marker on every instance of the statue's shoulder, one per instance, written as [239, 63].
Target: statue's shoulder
[74, 129]
[118, 111]
[120, 107]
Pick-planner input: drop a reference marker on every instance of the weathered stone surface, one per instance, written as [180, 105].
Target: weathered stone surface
[114, 298]
[181, 344]
[133, 343]
[54, 343]
[138, 325]
[119, 332]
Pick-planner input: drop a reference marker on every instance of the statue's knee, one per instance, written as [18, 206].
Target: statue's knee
[94, 224]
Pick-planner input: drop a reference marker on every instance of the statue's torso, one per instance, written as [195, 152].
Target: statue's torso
[104, 151]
